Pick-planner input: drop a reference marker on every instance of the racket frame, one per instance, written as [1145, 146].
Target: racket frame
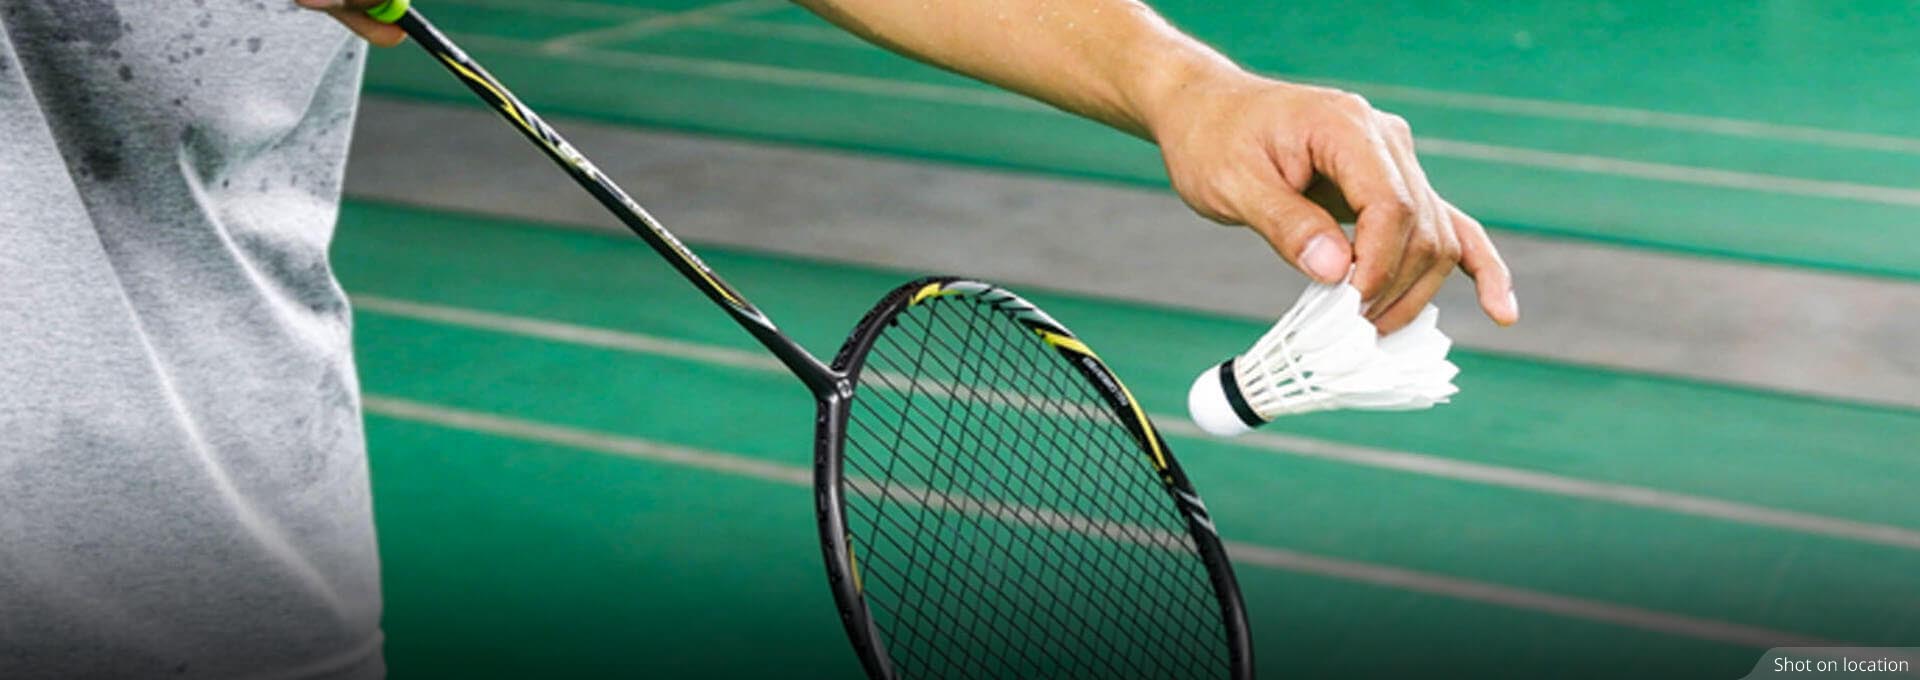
[843, 566]
[833, 386]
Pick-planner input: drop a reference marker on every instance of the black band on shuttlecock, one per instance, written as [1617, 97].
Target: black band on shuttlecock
[1238, 401]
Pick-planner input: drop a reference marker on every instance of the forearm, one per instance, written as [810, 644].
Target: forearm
[1115, 61]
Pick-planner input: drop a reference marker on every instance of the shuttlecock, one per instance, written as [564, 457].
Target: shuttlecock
[1323, 355]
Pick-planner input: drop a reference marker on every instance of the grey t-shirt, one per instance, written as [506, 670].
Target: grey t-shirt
[183, 480]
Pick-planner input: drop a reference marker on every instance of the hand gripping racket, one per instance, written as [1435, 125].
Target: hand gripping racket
[992, 502]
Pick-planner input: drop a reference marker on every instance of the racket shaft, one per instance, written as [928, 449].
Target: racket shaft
[810, 370]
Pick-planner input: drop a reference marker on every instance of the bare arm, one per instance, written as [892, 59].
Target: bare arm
[1109, 60]
[1290, 161]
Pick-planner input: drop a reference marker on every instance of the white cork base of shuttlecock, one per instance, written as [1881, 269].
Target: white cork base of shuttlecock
[1207, 404]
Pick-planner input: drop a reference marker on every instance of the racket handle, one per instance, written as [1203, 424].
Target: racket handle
[389, 11]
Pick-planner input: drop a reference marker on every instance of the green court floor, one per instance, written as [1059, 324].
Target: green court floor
[1773, 131]
[582, 469]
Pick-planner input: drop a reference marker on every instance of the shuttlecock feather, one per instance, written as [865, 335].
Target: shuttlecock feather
[1323, 355]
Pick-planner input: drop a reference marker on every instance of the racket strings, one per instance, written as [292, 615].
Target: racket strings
[972, 473]
[1097, 484]
[1109, 669]
[1103, 483]
[952, 467]
[1007, 523]
[1076, 494]
[1085, 408]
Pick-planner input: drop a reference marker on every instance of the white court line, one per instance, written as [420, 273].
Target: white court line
[1428, 146]
[1240, 553]
[1570, 487]
[1468, 101]
[1293, 445]
[1661, 172]
[1627, 117]
[570, 333]
[707, 14]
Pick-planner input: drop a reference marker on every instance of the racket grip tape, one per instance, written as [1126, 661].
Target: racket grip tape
[389, 11]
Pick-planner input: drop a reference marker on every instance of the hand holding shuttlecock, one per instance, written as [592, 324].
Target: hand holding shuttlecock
[1323, 355]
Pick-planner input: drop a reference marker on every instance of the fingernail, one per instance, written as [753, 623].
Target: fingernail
[1323, 259]
[1513, 308]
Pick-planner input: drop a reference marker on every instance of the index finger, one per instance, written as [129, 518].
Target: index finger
[1491, 280]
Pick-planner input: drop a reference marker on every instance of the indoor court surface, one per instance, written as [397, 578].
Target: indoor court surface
[543, 503]
[527, 471]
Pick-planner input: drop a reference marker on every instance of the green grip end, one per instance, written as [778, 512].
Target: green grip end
[389, 11]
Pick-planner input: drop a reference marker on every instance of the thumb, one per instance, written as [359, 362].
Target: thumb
[1302, 233]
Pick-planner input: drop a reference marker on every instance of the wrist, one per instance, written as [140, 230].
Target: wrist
[1167, 79]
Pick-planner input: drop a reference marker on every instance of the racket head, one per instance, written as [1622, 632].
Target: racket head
[997, 536]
